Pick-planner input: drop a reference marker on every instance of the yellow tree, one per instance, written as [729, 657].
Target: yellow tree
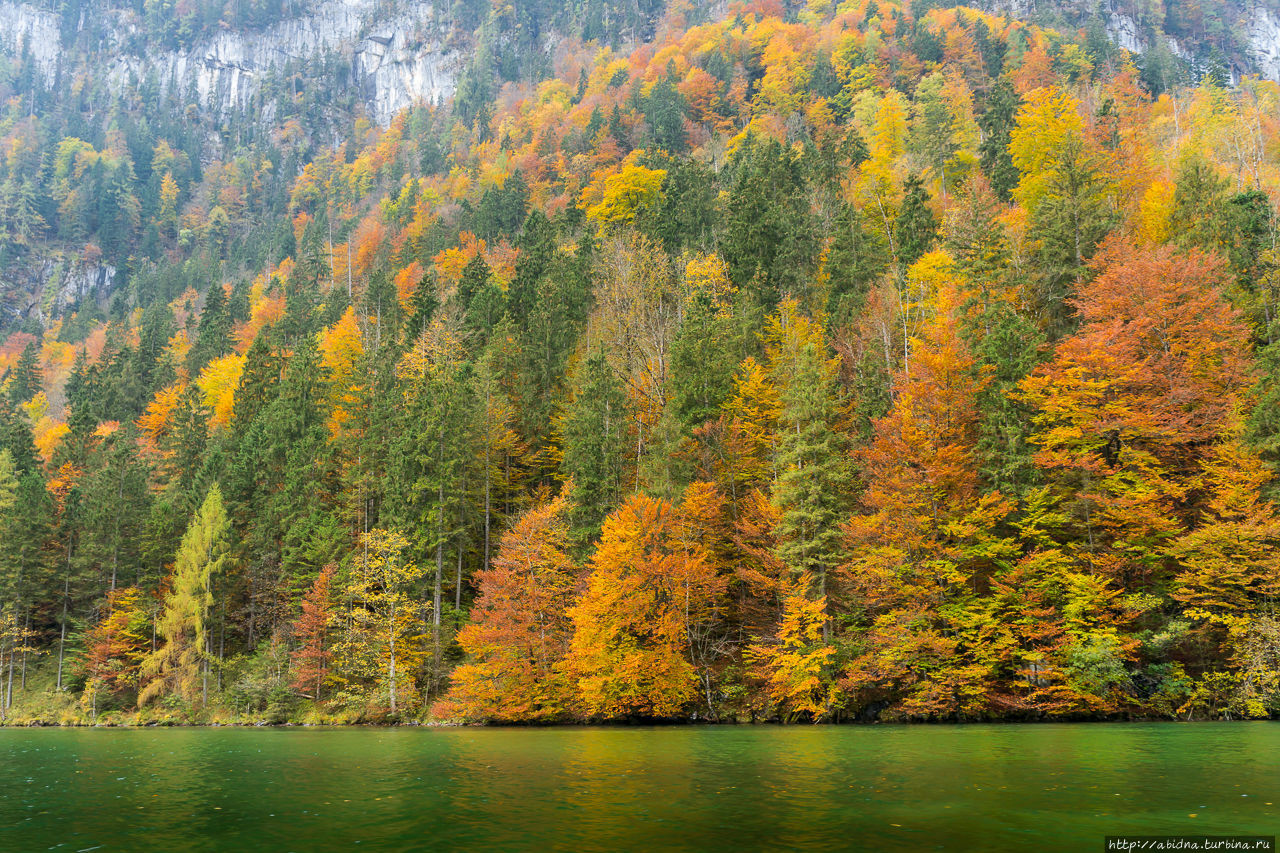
[1228, 578]
[640, 302]
[1230, 564]
[384, 631]
[115, 647]
[797, 667]
[180, 666]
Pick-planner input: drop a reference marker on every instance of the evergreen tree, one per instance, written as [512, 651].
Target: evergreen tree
[664, 110]
[595, 436]
[997, 124]
[213, 335]
[15, 437]
[26, 380]
[916, 227]
[857, 258]
[1007, 346]
[687, 210]
[769, 238]
[433, 457]
[815, 478]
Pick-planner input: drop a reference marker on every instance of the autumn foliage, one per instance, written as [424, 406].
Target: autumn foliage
[807, 362]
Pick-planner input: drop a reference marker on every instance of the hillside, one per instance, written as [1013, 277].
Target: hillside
[595, 361]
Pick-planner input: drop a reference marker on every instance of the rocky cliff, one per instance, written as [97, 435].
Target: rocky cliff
[50, 284]
[391, 54]
[1243, 34]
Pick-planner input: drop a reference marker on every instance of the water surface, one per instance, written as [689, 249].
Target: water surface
[1036, 787]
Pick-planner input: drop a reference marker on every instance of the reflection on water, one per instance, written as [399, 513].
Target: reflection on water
[1050, 787]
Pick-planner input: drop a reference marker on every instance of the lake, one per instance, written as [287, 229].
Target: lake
[988, 787]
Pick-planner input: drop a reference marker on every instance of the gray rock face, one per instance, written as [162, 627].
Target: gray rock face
[1264, 42]
[48, 285]
[83, 280]
[395, 58]
[32, 28]
[1259, 53]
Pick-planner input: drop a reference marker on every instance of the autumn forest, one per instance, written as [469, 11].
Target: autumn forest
[839, 361]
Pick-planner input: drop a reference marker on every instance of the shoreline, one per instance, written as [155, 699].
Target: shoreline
[623, 724]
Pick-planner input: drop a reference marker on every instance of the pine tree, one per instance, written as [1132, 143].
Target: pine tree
[15, 437]
[434, 454]
[769, 238]
[1007, 347]
[482, 300]
[213, 335]
[857, 258]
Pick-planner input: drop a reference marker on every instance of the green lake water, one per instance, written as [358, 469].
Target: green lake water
[1028, 787]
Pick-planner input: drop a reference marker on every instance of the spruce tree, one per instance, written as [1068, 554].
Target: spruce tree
[213, 335]
[595, 436]
[27, 379]
[996, 123]
[916, 227]
[769, 239]
[1007, 347]
[857, 258]
[815, 479]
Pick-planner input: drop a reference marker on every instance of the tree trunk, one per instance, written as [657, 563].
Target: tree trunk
[26, 627]
[66, 593]
[457, 587]
[435, 598]
[8, 693]
[392, 639]
[488, 477]
[222, 643]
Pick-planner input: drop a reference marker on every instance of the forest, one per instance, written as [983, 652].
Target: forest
[839, 361]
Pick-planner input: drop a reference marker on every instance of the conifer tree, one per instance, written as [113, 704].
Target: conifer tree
[997, 122]
[595, 434]
[916, 227]
[768, 241]
[180, 666]
[26, 380]
[213, 334]
[814, 481]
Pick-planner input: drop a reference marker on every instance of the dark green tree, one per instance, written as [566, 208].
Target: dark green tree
[997, 122]
[769, 241]
[595, 431]
[27, 379]
[916, 228]
[213, 334]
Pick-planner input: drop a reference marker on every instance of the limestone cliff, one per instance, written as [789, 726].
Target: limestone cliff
[392, 54]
